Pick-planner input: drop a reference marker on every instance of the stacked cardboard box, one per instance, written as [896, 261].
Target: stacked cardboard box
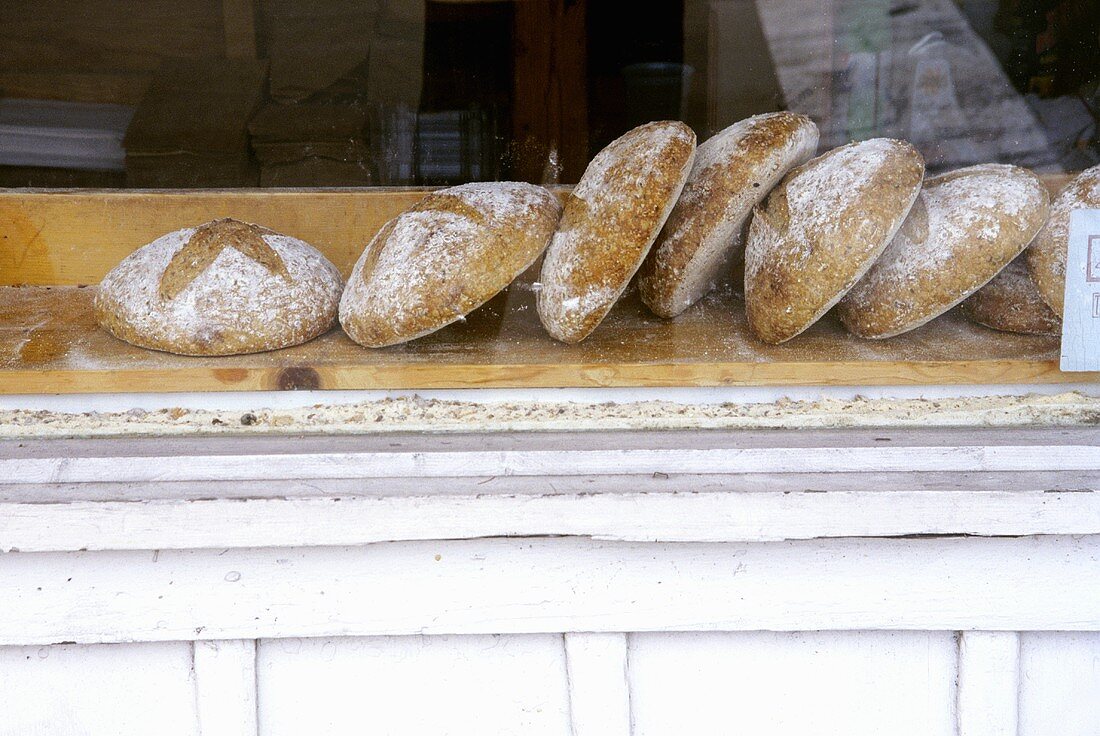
[190, 129]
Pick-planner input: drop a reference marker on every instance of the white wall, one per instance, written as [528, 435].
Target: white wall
[98, 690]
[873, 682]
[1060, 683]
[763, 683]
[413, 684]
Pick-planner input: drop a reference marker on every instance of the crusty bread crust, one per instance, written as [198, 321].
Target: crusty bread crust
[821, 229]
[1010, 302]
[223, 288]
[1046, 257]
[609, 222]
[443, 258]
[965, 227]
[733, 171]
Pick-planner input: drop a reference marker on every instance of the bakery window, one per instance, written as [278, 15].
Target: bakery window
[411, 194]
[349, 93]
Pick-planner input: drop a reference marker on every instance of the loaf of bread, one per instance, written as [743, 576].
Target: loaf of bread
[222, 288]
[1046, 257]
[443, 258]
[608, 224]
[821, 229]
[733, 171]
[965, 227]
[1010, 302]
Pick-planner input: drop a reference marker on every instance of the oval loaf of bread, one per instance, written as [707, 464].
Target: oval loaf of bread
[1010, 302]
[733, 171]
[608, 224]
[821, 229]
[222, 288]
[443, 258]
[1046, 257]
[965, 227]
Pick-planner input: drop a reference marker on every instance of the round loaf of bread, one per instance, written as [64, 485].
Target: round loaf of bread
[1010, 302]
[733, 171]
[1046, 257]
[223, 288]
[608, 224]
[443, 258]
[965, 227]
[821, 229]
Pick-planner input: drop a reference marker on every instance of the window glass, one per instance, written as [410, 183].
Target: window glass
[284, 93]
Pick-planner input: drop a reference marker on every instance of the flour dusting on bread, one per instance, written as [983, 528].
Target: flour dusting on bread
[1046, 258]
[733, 171]
[609, 222]
[1010, 302]
[964, 228]
[444, 257]
[821, 229]
[234, 305]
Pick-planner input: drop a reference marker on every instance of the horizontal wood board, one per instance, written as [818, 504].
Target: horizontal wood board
[115, 494]
[503, 586]
[54, 244]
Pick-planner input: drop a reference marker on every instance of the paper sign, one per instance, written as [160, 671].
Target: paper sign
[1081, 322]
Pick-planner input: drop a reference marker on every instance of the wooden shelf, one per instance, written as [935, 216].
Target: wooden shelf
[49, 342]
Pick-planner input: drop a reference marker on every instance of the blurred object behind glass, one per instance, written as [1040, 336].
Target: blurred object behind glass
[281, 93]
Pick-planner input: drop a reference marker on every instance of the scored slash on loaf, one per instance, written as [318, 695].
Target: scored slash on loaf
[608, 225]
[732, 172]
[223, 288]
[821, 229]
[963, 229]
[446, 256]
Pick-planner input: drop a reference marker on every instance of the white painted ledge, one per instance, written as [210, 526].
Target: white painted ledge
[656, 517]
[550, 586]
[129, 494]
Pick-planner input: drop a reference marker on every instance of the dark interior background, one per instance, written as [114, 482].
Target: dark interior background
[284, 93]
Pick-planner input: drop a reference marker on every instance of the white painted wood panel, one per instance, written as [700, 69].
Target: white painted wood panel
[405, 445]
[1060, 683]
[413, 685]
[225, 687]
[552, 585]
[308, 466]
[788, 684]
[989, 683]
[104, 690]
[1049, 481]
[666, 517]
[599, 695]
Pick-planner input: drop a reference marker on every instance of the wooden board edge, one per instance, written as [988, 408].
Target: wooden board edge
[560, 375]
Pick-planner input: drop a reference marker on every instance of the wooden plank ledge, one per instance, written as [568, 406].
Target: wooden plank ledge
[55, 242]
[49, 343]
[742, 486]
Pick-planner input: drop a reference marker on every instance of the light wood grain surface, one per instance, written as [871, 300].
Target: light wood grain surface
[53, 243]
[49, 343]
[67, 238]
